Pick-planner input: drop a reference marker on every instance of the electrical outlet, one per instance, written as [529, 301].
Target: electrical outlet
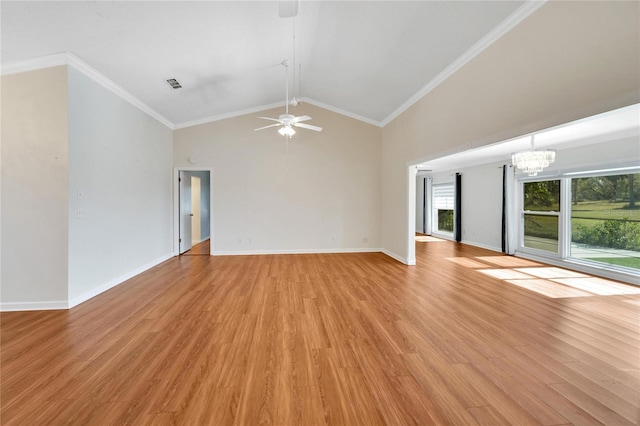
[80, 194]
[80, 213]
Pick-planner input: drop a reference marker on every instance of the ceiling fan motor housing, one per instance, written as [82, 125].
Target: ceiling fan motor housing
[286, 119]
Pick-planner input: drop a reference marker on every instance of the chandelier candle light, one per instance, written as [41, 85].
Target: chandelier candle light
[532, 161]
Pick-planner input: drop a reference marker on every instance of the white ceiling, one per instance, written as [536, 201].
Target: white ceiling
[363, 58]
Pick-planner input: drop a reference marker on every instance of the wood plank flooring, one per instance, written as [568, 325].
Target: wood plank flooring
[200, 249]
[465, 337]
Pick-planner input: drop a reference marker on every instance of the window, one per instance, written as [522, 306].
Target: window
[443, 198]
[592, 218]
[605, 219]
[541, 212]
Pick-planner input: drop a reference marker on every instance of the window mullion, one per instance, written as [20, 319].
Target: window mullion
[564, 231]
[541, 213]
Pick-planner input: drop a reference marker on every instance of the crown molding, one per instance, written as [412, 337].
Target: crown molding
[272, 106]
[55, 60]
[343, 112]
[227, 115]
[504, 27]
[67, 58]
[110, 85]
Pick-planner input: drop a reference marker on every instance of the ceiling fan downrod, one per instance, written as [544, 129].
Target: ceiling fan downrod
[285, 63]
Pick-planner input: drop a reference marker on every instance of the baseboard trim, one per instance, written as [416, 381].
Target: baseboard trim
[114, 282]
[484, 246]
[296, 251]
[399, 258]
[33, 306]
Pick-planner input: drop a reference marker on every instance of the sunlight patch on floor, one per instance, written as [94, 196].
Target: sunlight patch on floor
[549, 281]
[505, 274]
[549, 289]
[508, 261]
[599, 286]
[428, 239]
[552, 272]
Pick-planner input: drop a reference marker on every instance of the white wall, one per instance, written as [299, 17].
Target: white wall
[482, 206]
[566, 61]
[481, 203]
[321, 193]
[120, 162]
[34, 190]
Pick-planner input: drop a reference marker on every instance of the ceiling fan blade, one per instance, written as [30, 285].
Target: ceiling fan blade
[308, 126]
[272, 119]
[266, 127]
[301, 118]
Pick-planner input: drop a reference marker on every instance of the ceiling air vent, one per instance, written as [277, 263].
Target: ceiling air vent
[175, 84]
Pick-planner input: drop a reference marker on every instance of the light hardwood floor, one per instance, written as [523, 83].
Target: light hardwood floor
[200, 249]
[467, 336]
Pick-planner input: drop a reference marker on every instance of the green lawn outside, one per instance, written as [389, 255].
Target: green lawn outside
[600, 224]
[605, 210]
[541, 244]
[585, 214]
[602, 231]
[629, 262]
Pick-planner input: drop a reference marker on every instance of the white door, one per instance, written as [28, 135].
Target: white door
[185, 212]
[196, 236]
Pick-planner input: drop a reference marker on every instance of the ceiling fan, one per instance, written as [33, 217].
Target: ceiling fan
[288, 121]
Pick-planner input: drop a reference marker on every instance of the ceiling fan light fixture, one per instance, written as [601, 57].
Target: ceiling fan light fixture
[286, 131]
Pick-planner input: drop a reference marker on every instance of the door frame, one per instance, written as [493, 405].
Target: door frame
[176, 205]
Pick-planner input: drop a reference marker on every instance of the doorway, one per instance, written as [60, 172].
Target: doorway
[192, 212]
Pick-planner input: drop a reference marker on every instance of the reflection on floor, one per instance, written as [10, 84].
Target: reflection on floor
[543, 279]
[200, 249]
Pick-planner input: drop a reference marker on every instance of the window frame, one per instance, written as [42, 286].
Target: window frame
[434, 210]
[565, 214]
[523, 212]
[587, 174]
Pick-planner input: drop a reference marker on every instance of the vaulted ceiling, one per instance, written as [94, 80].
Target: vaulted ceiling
[363, 58]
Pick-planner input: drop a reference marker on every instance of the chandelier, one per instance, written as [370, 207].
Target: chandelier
[532, 161]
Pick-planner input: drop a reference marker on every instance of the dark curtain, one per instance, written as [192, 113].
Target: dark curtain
[457, 209]
[504, 208]
[424, 205]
